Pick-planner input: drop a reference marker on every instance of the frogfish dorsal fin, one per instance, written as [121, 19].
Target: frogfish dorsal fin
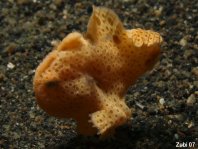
[103, 24]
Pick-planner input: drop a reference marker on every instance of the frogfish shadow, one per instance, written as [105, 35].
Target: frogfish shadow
[130, 136]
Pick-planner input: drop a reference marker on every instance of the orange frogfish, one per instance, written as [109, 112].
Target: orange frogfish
[87, 75]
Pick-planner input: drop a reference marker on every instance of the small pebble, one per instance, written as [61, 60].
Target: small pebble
[2, 76]
[55, 42]
[183, 42]
[22, 2]
[158, 12]
[176, 136]
[178, 117]
[160, 84]
[31, 72]
[57, 2]
[187, 53]
[65, 126]
[53, 6]
[191, 100]
[191, 124]
[10, 65]
[162, 23]
[141, 106]
[65, 14]
[195, 71]
[162, 101]
[170, 122]
[195, 83]
[38, 120]
[11, 48]
[32, 115]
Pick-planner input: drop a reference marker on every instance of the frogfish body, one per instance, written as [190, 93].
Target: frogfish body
[87, 75]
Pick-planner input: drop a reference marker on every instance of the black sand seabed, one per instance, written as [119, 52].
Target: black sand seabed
[169, 93]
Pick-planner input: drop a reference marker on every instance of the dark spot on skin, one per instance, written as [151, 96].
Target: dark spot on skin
[89, 9]
[116, 39]
[110, 21]
[51, 84]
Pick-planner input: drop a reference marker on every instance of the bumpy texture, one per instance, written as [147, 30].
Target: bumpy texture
[86, 76]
